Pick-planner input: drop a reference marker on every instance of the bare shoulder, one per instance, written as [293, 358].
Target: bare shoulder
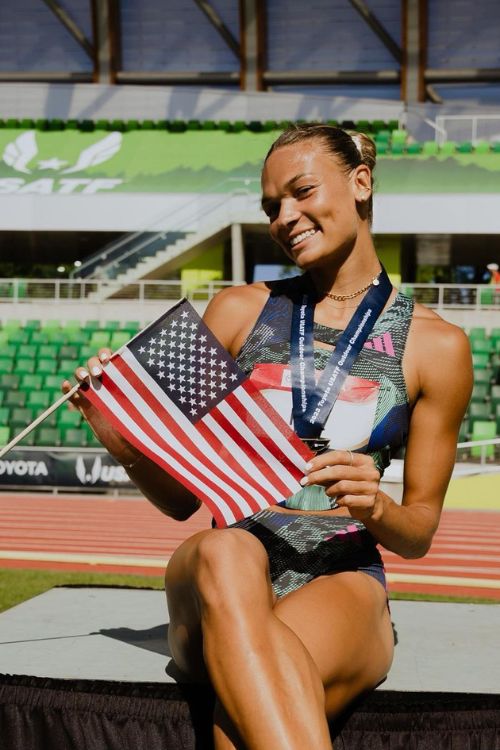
[232, 313]
[439, 350]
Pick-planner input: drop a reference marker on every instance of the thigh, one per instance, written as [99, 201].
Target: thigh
[221, 570]
[344, 622]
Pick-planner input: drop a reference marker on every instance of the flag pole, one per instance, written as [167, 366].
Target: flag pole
[39, 419]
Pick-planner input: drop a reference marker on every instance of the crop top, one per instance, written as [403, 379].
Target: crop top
[371, 414]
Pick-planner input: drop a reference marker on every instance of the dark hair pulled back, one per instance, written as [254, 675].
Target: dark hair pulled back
[348, 146]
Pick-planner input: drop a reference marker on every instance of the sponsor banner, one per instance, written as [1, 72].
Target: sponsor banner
[62, 469]
[36, 162]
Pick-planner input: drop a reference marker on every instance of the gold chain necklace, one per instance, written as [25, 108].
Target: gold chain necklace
[344, 297]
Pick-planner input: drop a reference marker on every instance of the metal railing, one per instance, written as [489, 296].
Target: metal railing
[167, 228]
[25, 291]
[454, 296]
[472, 128]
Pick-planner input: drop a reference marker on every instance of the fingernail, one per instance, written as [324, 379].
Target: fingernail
[303, 481]
[96, 370]
[104, 357]
[83, 373]
[309, 466]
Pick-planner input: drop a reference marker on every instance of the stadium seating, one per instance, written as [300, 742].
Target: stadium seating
[34, 360]
[482, 420]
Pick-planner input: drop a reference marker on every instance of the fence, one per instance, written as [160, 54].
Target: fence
[25, 291]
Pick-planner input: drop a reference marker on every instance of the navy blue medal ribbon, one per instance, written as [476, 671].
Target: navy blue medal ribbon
[313, 402]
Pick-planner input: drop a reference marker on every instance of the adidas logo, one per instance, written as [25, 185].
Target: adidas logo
[382, 344]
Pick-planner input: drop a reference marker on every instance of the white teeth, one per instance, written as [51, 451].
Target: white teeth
[302, 236]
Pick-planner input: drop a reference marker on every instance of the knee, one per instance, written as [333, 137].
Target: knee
[227, 563]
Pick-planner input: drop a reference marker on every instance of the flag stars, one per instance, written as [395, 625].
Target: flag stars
[161, 374]
[233, 376]
[151, 361]
[142, 350]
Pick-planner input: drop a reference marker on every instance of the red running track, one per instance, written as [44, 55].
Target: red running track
[129, 535]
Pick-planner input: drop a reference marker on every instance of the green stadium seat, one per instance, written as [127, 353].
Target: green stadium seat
[100, 339]
[58, 337]
[111, 325]
[6, 364]
[118, 339]
[78, 338]
[52, 382]
[50, 325]
[482, 376]
[19, 337]
[92, 441]
[67, 367]
[12, 324]
[71, 326]
[20, 418]
[25, 366]
[495, 396]
[133, 327]
[69, 351]
[37, 337]
[31, 382]
[4, 338]
[68, 418]
[465, 147]
[28, 439]
[1, 397]
[483, 430]
[480, 392]
[90, 326]
[430, 148]
[487, 296]
[478, 332]
[32, 325]
[26, 351]
[399, 136]
[481, 411]
[414, 148]
[495, 147]
[15, 398]
[448, 148]
[4, 415]
[480, 361]
[48, 351]
[481, 346]
[9, 381]
[4, 435]
[48, 436]
[74, 437]
[39, 399]
[397, 149]
[482, 147]
[86, 351]
[382, 148]
[9, 351]
[46, 366]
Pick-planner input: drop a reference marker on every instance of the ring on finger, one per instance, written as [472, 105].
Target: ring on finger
[351, 458]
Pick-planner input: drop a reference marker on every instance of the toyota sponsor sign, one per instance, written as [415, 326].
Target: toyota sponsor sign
[75, 469]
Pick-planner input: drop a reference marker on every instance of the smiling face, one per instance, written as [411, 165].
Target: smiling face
[313, 203]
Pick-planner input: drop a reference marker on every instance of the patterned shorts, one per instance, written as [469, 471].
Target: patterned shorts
[302, 547]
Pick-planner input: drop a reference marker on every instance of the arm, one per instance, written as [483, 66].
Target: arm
[444, 383]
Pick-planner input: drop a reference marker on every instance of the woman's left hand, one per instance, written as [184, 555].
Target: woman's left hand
[352, 479]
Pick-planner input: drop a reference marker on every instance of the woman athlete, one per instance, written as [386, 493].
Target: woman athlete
[286, 613]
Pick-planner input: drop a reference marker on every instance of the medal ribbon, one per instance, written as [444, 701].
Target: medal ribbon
[312, 403]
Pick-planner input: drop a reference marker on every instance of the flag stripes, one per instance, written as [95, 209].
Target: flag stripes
[227, 458]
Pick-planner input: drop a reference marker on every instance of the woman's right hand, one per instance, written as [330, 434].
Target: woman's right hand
[115, 444]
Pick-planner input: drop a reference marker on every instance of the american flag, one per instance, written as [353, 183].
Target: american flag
[177, 395]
